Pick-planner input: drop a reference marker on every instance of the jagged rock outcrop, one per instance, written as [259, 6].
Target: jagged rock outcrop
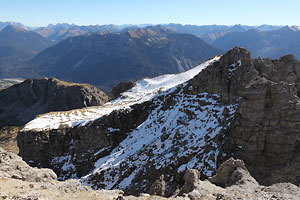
[121, 87]
[237, 184]
[191, 179]
[236, 107]
[265, 132]
[232, 172]
[22, 102]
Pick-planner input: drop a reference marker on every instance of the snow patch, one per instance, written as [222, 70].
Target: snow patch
[185, 130]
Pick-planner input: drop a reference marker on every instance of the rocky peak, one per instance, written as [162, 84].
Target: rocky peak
[226, 77]
[234, 55]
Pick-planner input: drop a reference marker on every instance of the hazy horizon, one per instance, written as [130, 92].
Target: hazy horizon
[147, 24]
[36, 13]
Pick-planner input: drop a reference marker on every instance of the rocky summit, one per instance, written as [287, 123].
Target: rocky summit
[24, 101]
[146, 139]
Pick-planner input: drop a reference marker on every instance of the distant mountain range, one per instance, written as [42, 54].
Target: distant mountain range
[105, 59]
[17, 45]
[271, 44]
[209, 33]
[5, 24]
[62, 31]
[105, 55]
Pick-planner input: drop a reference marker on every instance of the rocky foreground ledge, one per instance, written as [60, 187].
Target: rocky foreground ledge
[232, 181]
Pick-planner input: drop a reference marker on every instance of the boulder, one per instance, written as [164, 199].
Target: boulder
[232, 172]
[158, 187]
[122, 87]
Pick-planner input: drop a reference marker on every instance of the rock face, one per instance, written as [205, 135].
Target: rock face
[191, 179]
[102, 137]
[265, 131]
[232, 172]
[236, 107]
[22, 102]
[8, 138]
[121, 87]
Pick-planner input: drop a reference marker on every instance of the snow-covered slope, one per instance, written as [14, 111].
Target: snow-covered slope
[182, 135]
[180, 128]
[144, 90]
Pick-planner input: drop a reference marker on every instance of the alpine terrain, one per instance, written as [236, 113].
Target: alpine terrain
[148, 140]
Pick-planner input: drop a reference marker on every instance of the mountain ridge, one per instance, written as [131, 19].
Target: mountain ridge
[109, 58]
[236, 106]
[16, 46]
[271, 44]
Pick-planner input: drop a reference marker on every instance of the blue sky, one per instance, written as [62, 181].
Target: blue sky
[199, 12]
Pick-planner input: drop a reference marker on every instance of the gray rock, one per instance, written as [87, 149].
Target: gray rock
[12, 166]
[232, 172]
[121, 87]
[266, 128]
[191, 179]
[158, 187]
[191, 176]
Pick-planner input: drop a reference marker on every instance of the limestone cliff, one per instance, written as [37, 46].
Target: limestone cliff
[265, 132]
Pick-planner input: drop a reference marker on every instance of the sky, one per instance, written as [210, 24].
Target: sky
[197, 12]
